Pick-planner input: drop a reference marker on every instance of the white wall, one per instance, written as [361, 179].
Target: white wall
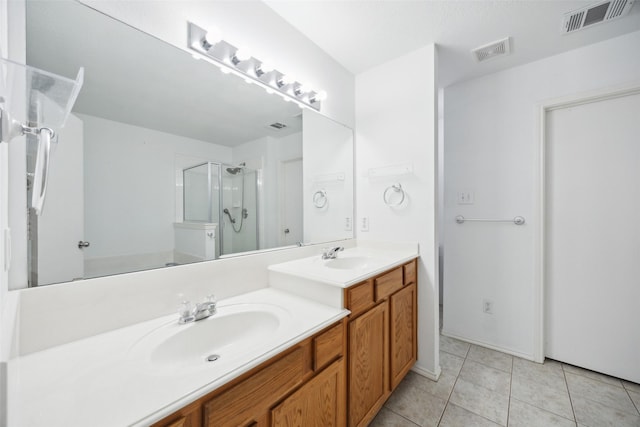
[265, 154]
[491, 149]
[247, 23]
[115, 156]
[396, 124]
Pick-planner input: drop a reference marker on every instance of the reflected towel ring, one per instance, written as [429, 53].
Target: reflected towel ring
[320, 199]
[397, 188]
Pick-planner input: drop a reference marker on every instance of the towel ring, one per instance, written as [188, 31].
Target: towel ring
[397, 188]
[320, 199]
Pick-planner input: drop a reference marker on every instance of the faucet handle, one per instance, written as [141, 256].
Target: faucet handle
[185, 310]
[210, 303]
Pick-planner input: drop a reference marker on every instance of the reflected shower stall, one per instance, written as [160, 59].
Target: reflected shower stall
[226, 195]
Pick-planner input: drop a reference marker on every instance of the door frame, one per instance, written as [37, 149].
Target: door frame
[545, 107]
[282, 197]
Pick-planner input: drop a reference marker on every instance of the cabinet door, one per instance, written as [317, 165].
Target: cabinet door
[319, 403]
[368, 364]
[403, 332]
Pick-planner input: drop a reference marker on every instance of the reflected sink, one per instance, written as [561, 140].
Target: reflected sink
[231, 332]
[348, 263]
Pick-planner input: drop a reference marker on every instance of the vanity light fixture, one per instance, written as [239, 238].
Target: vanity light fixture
[239, 61]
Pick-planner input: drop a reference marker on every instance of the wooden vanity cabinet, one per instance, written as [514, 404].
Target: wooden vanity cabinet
[307, 381]
[382, 339]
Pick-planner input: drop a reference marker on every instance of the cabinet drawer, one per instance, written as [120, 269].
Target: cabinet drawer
[410, 272]
[388, 283]
[360, 297]
[241, 404]
[328, 346]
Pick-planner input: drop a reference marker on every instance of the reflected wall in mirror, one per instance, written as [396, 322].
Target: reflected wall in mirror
[166, 160]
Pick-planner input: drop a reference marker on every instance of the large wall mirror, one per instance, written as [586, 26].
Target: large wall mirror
[166, 160]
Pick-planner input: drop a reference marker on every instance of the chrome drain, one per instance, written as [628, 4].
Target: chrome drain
[212, 357]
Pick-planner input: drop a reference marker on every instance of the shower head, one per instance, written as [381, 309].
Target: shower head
[236, 170]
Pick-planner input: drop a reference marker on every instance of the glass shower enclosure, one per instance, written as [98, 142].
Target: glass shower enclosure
[226, 195]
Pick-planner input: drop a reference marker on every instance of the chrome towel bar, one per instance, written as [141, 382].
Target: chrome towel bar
[519, 220]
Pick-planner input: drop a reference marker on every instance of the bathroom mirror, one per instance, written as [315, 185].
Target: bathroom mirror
[166, 160]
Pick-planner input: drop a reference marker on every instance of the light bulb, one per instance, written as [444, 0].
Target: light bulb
[212, 37]
[305, 88]
[321, 96]
[242, 54]
[287, 79]
[264, 67]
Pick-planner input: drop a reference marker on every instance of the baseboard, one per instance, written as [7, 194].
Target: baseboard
[490, 346]
[426, 373]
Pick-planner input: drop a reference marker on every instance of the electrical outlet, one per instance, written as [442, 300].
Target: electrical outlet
[347, 223]
[487, 306]
[364, 223]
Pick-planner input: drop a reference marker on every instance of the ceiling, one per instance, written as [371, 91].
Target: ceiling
[362, 34]
[168, 90]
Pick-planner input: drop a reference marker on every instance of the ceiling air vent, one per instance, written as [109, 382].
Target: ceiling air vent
[595, 14]
[277, 126]
[492, 50]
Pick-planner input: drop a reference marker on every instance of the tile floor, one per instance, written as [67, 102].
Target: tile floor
[481, 387]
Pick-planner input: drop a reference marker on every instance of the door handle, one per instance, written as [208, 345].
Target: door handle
[286, 231]
[82, 244]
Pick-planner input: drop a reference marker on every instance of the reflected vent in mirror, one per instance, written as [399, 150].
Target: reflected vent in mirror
[277, 126]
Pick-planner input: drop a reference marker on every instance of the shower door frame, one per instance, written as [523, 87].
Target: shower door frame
[257, 204]
[221, 226]
[210, 197]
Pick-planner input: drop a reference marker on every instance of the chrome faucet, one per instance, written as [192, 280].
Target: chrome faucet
[331, 253]
[190, 313]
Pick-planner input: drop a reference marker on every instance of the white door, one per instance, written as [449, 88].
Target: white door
[291, 202]
[592, 253]
[61, 224]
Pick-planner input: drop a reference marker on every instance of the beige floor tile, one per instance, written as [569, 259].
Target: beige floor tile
[481, 401]
[441, 388]
[454, 346]
[450, 363]
[486, 376]
[492, 358]
[415, 405]
[550, 373]
[542, 396]
[594, 414]
[455, 416]
[387, 418]
[631, 386]
[636, 399]
[593, 375]
[525, 415]
[598, 391]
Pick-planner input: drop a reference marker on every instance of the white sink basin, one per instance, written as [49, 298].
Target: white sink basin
[348, 268]
[350, 263]
[233, 331]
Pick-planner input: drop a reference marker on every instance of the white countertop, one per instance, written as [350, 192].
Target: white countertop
[107, 380]
[370, 261]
